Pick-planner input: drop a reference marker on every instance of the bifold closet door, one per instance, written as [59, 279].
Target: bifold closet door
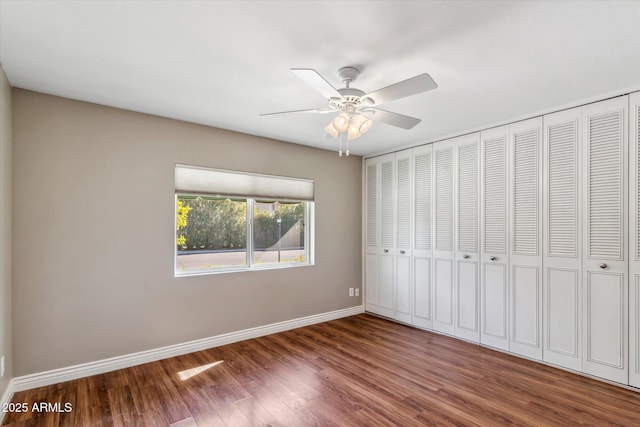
[404, 229]
[605, 265]
[634, 240]
[422, 245]
[494, 237]
[372, 186]
[467, 237]
[443, 248]
[562, 260]
[525, 199]
[387, 236]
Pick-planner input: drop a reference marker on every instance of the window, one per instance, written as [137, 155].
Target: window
[220, 229]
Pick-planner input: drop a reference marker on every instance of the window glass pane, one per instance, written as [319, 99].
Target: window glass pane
[278, 232]
[211, 232]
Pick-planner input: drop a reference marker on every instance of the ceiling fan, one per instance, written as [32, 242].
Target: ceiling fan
[356, 108]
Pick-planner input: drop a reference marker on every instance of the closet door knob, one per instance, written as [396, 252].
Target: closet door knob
[403, 252]
[465, 256]
[386, 251]
[493, 258]
[603, 266]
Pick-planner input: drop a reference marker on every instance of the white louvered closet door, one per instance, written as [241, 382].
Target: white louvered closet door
[605, 266]
[525, 198]
[422, 232]
[562, 258]
[387, 236]
[494, 237]
[467, 237]
[634, 240]
[404, 229]
[372, 229]
[443, 246]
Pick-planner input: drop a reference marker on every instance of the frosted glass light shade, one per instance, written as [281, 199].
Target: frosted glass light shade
[353, 132]
[332, 130]
[362, 123]
[341, 123]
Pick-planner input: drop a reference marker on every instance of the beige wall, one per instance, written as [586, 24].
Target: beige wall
[5, 229]
[94, 226]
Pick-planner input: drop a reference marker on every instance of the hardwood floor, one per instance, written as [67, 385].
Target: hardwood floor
[356, 371]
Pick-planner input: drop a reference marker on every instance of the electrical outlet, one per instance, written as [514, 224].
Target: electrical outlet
[2, 367]
[350, 292]
[357, 292]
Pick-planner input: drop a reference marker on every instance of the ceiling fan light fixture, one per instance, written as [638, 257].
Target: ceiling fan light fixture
[341, 123]
[331, 130]
[362, 123]
[356, 109]
[353, 133]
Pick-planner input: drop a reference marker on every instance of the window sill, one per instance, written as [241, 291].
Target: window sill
[258, 267]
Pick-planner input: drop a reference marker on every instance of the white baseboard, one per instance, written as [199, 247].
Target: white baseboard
[6, 398]
[55, 376]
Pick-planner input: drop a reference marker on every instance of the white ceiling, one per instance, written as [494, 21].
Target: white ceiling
[223, 63]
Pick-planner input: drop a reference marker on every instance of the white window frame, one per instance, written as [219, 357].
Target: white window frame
[309, 230]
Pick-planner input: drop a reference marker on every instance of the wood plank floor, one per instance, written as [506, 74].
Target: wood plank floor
[356, 371]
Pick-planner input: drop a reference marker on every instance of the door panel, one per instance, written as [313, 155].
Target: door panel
[605, 318]
[605, 266]
[634, 240]
[422, 294]
[403, 290]
[422, 241]
[402, 253]
[563, 318]
[494, 219]
[527, 307]
[495, 313]
[372, 185]
[525, 192]
[562, 260]
[467, 301]
[467, 237]
[371, 278]
[443, 319]
[443, 253]
[385, 290]
[387, 232]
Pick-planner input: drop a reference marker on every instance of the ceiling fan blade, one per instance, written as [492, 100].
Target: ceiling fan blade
[316, 81]
[393, 119]
[414, 85]
[313, 110]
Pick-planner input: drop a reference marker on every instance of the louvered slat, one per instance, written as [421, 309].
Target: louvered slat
[422, 174]
[468, 198]
[386, 217]
[372, 199]
[404, 199]
[495, 229]
[605, 186]
[444, 199]
[562, 190]
[525, 193]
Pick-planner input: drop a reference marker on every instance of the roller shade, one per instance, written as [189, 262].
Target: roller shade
[218, 182]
